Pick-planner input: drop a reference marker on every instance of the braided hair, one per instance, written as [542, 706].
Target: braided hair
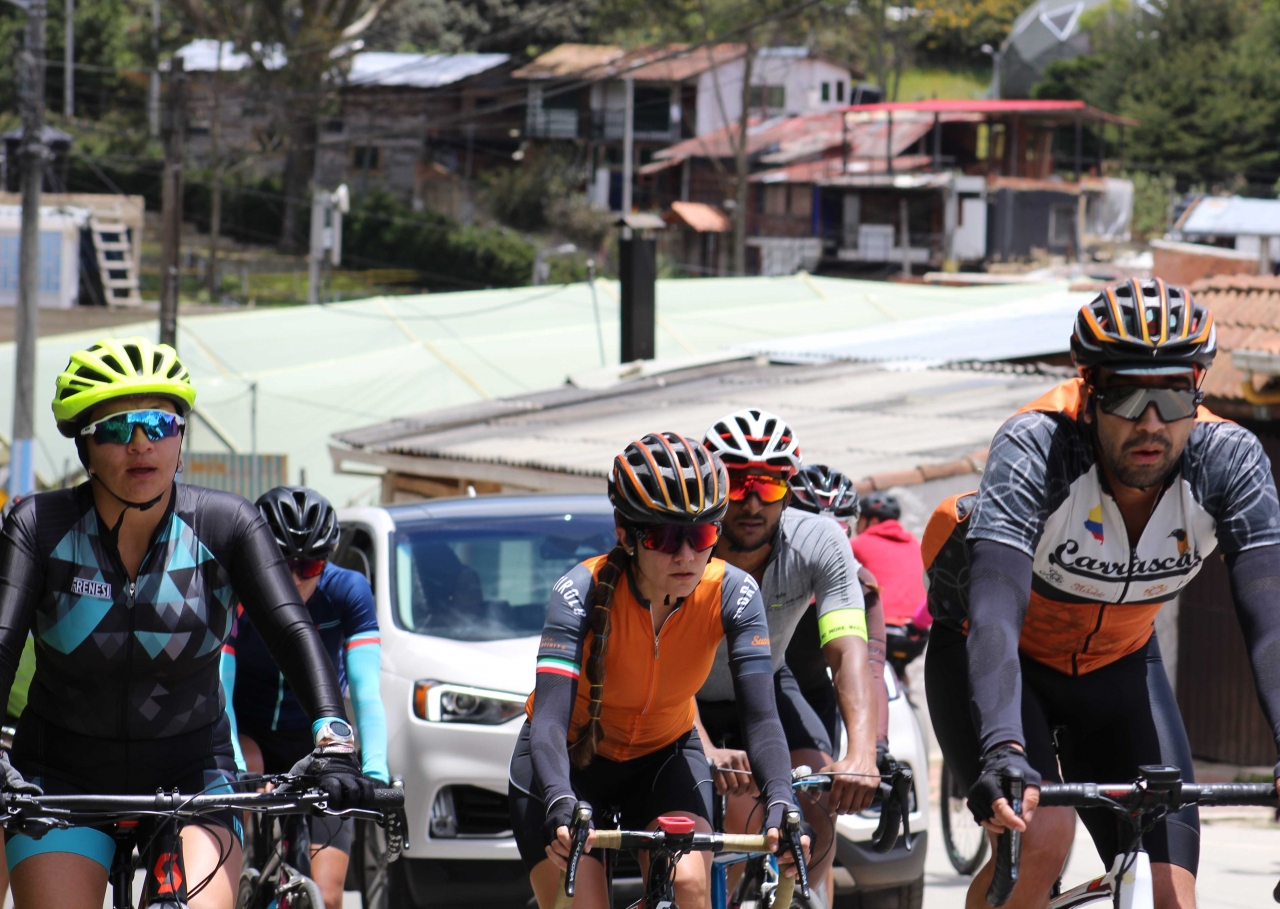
[592, 731]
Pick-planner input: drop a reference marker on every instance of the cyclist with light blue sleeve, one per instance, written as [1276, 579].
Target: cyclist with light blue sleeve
[270, 730]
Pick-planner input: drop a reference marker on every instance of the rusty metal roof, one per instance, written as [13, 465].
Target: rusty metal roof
[664, 63]
[785, 140]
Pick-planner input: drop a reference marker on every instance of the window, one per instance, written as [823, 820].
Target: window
[826, 91]
[775, 199]
[1062, 225]
[652, 110]
[774, 97]
[801, 201]
[840, 92]
[488, 579]
[365, 157]
[983, 143]
[334, 125]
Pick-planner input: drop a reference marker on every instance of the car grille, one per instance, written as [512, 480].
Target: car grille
[469, 811]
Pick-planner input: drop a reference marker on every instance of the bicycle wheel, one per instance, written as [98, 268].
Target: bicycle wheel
[247, 896]
[369, 867]
[965, 839]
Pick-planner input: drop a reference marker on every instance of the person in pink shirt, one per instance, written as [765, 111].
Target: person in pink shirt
[892, 553]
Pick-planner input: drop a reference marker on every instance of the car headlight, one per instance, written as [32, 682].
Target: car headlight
[442, 702]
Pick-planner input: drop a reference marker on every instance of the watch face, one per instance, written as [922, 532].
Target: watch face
[340, 729]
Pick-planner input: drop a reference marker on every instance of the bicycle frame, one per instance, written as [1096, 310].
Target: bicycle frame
[1126, 886]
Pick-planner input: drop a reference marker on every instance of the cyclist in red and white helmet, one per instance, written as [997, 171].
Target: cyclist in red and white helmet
[795, 557]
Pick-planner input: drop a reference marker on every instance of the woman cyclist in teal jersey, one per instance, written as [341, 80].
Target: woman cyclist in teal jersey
[129, 583]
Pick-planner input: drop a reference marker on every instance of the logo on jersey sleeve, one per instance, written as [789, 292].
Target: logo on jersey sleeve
[1093, 523]
[1181, 536]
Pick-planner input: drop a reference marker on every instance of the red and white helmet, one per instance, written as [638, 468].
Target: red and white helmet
[755, 438]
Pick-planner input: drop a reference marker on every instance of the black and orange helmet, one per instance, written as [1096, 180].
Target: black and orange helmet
[665, 478]
[1144, 325]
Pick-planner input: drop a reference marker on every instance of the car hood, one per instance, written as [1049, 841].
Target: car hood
[506, 665]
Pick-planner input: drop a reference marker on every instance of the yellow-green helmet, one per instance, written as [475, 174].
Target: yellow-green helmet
[113, 368]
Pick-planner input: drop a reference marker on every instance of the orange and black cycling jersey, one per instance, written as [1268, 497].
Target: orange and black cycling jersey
[1094, 592]
[651, 679]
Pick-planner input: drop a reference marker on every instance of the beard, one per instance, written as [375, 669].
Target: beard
[1138, 476]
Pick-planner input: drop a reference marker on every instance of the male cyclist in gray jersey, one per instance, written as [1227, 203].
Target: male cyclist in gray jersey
[795, 557]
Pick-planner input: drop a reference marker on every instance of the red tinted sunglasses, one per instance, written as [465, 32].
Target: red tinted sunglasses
[771, 488]
[307, 568]
[668, 538]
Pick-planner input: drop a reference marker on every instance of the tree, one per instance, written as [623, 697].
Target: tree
[313, 38]
[490, 26]
[1202, 76]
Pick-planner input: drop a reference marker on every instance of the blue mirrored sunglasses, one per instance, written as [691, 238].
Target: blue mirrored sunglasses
[118, 428]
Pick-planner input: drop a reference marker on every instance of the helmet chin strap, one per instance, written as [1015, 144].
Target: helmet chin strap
[114, 533]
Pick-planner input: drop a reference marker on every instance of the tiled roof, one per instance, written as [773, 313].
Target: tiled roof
[1246, 310]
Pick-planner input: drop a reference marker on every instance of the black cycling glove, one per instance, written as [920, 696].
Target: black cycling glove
[339, 775]
[560, 814]
[989, 786]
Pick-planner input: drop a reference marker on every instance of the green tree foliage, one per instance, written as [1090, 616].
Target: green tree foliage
[957, 29]
[1203, 78]
[499, 26]
[380, 233]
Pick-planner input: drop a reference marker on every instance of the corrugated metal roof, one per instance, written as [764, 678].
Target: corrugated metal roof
[1231, 216]
[664, 63]
[783, 140]
[419, 70]
[996, 107]
[352, 364]
[1037, 324]
[860, 418]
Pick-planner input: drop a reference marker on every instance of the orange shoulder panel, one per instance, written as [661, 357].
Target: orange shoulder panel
[1066, 399]
[942, 523]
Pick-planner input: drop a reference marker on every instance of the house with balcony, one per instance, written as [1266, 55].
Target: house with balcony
[912, 186]
[578, 93]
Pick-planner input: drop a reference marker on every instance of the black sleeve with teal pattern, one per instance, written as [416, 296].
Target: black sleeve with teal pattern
[21, 578]
[1033, 460]
[750, 661]
[560, 660]
[1230, 476]
[1255, 587]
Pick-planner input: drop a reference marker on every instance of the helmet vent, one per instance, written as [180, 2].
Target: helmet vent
[112, 362]
[135, 358]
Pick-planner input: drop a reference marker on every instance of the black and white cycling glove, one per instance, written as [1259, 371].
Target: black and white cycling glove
[989, 786]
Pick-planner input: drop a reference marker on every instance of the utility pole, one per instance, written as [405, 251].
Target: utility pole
[628, 144]
[171, 200]
[153, 95]
[69, 62]
[22, 475]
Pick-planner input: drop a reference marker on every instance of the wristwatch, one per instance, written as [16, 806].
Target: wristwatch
[335, 736]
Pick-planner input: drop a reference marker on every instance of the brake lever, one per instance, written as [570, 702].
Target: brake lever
[791, 824]
[1009, 843]
[578, 833]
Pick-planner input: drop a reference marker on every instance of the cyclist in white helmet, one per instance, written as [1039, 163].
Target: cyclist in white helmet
[795, 557]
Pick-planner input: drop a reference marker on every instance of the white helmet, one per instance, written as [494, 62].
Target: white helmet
[755, 438]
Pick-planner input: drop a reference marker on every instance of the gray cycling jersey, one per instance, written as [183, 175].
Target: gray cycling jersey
[811, 558]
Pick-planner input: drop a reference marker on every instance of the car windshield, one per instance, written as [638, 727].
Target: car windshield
[486, 580]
